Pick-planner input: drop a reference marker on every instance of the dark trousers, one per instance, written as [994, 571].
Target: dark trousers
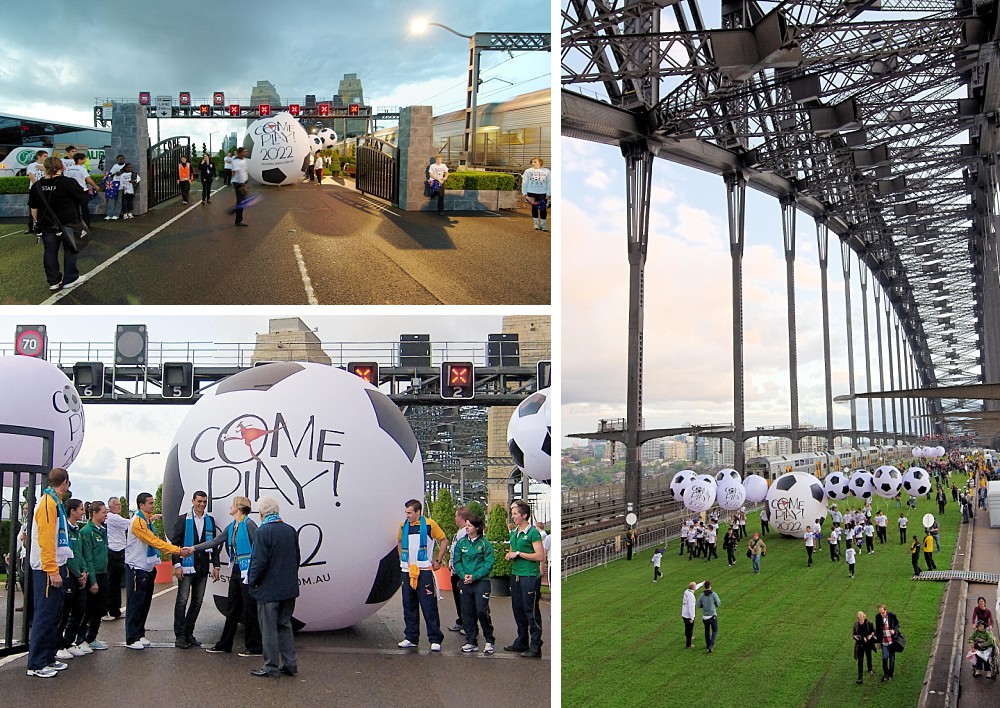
[834, 551]
[914, 558]
[185, 190]
[628, 551]
[850, 567]
[525, 591]
[731, 553]
[32, 224]
[275, 619]
[863, 651]
[902, 535]
[52, 242]
[116, 571]
[688, 632]
[765, 527]
[809, 552]
[440, 200]
[310, 173]
[206, 189]
[711, 629]
[227, 176]
[128, 202]
[423, 600]
[48, 606]
[929, 560]
[85, 208]
[539, 209]
[318, 172]
[711, 552]
[241, 193]
[682, 544]
[96, 602]
[869, 543]
[185, 617]
[456, 586]
[74, 608]
[476, 610]
[941, 507]
[138, 597]
[240, 608]
[888, 660]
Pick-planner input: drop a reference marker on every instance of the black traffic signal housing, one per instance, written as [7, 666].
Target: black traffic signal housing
[543, 374]
[458, 380]
[88, 378]
[366, 370]
[178, 380]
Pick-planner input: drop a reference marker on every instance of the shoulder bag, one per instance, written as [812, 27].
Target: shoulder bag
[75, 236]
[898, 642]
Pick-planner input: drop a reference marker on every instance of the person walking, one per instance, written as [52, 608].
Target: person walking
[982, 613]
[711, 541]
[886, 629]
[274, 583]
[935, 532]
[184, 177]
[834, 544]
[536, 186]
[688, 604]
[941, 499]
[915, 556]
[35, 171]
[850, 555]
[473, 561]
[192, 572]
[765, 521]
[206, 171]
[78, 171]
[318, 165]
[526, 584]
[685, 530]
[729, 542]
[709, 603]
[94, 541]
[240, 182]
[880, 525]
[810, 539]
[416, 540]
[869, 536]
[863, 633]
[656, 560]
[903, 523]
[54, 201]
[757, 548]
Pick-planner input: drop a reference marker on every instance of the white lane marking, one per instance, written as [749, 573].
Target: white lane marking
[305, 276]
[379, 206]
[62, 293]
[13, 233]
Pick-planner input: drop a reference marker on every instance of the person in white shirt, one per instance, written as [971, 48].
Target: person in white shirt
[903, 521]
[684, 537]
[241, 178]
[834, 543]
[536, 186]
[128, 180]
[849, 557]
[687, 612]
[117, 526]
[880, 524]
[318, 168]
[35, 172]
[657, 558]
[78, 171]
[870, 537]
[810, 541]
[115, 203]
[437, 172]
[461, 516]
[227, 168]
[68, 160]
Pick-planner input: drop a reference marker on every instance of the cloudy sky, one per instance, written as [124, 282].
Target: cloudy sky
[688, 322]
[117, 48]
[116, 431]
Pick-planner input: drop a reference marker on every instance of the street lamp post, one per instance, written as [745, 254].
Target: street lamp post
[128, 476]
[210, 142]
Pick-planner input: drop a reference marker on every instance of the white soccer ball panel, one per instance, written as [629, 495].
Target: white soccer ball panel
[794, 501]
[730, 494]
[680, 483]
[756, 488]
[916, 481]
[700, 493]
[887, 481]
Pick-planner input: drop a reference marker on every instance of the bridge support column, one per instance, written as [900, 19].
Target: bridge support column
[903, 403]
[416, 152]
[736, 188]
[130, 137]
[788, 212]
[881, 370]
[863, 276]
[845, 258]
[892, 380]
[638, 189]
[822, 243]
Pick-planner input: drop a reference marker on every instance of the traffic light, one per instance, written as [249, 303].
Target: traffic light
[263, 110]
[353, 109]
[145, 98]
[294, 109]
[30, 340]
[367, 370]
[185, 98]
[543, 374]
[178, 380]
[88, 378]
[234, 109]
[458, 380]
[219, 99]
[324, 109]
[204, 110]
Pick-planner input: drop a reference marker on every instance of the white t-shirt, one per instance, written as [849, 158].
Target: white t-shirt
[835, 536]
[881, 520]
[240, 173]
[438, 172]
[319, 162]
[810, 539]
[657, 557]
[227, 162]
[79, 173]
[903, 521]
[849, 555]
[35, 172]
[869, 530]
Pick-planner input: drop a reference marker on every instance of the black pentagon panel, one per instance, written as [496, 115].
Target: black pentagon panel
[386, 578]
[785, 483]
[173, 491]
[273, 176]
[547, 443]
[531, 405]
[305, 163]
[816, 489]
[259, 378]
[393, 422]
[297, 624]
[516, 453]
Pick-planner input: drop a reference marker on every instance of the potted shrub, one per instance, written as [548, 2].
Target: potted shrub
[498, 534]
[444, 515]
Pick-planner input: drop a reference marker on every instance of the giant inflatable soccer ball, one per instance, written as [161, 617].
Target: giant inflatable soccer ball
[794, 501]
[680, 483]
[861, 484]
[886, 481]
[315, 143]
[917, 452]
[756, 487]
[278, 150]
[928, 451]
[728, 475]
[529, 436]
[328, 136]
[700, 493]
[730, 493]
[37, 394]
[916, 481]
[837, 486]
[338, 456]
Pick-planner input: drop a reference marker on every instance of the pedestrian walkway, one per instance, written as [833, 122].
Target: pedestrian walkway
[980, 692]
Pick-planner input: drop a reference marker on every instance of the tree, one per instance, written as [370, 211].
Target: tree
[158, 524]
[124, 512]
[498, 534]
[444, 513]
[476, 508]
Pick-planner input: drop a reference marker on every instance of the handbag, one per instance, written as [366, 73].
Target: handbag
[75, 236]
[749, 553]
[898, 642]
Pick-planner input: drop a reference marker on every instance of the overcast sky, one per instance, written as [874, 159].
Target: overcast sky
[688, 315]
[117, 48]
[116, 431]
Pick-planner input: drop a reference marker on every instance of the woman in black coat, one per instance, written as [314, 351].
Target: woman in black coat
[886, 629]
[864, 641]
[207, 170]
[53, 201]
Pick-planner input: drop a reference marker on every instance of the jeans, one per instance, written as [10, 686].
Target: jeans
[275, 620]
[711, 629]
[115, 206]
[52, 242]
[525, 591]
[888, 660]
[756, 562]
[138, 597]
[937, 542]
[423, 599]
[192, 586]
[476, 610]
[116, 571]
[48, 606]
[240, 607]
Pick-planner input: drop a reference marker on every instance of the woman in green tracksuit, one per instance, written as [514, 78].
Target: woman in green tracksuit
[473, 562]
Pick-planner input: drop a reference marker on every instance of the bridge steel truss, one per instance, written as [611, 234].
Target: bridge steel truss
[877, 118]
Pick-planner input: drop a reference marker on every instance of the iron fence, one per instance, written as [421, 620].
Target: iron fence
[377, 171]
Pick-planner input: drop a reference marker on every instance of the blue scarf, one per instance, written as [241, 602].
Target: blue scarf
[241, 543]
[422, 552]
[270, 518]
[150, 551]
[189, 536]
[62, 536]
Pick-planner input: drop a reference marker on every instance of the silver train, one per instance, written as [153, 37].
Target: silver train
[823, 462]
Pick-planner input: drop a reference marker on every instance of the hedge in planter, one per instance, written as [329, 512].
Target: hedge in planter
[14, 185]
[480, 180]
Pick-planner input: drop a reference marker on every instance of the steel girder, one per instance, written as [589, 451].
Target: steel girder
[882, 123]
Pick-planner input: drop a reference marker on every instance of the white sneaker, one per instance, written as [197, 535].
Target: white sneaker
[85, 648]
[114, 218]
[435, 646]
[145, 642]
[469, 648]
[107, 218]
[75, 651]
[136, 645]
[488, 649]
[406, 644]
[98, 645]
[76, 282]
[57, 666]
[44, 672]
[64, 654]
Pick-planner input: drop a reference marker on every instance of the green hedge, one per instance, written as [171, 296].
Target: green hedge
[14, 185]
[481, 180]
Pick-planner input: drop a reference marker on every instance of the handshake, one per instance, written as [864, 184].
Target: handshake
[186, 551]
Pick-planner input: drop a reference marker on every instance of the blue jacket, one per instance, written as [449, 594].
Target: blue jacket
[274, 565]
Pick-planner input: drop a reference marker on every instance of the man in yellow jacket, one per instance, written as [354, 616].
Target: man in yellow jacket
[50, 550]
[141, 560]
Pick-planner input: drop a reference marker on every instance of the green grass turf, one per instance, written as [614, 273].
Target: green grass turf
[784, 635]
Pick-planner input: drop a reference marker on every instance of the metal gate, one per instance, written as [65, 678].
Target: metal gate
[378, 169]
[161, 169]
[26, 477]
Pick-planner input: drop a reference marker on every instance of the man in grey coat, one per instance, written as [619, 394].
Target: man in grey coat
[274, 583]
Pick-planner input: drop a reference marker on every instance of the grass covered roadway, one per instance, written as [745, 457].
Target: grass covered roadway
[784, 635]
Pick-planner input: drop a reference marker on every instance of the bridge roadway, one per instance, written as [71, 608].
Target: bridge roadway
[350, 667]
[305, 244]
